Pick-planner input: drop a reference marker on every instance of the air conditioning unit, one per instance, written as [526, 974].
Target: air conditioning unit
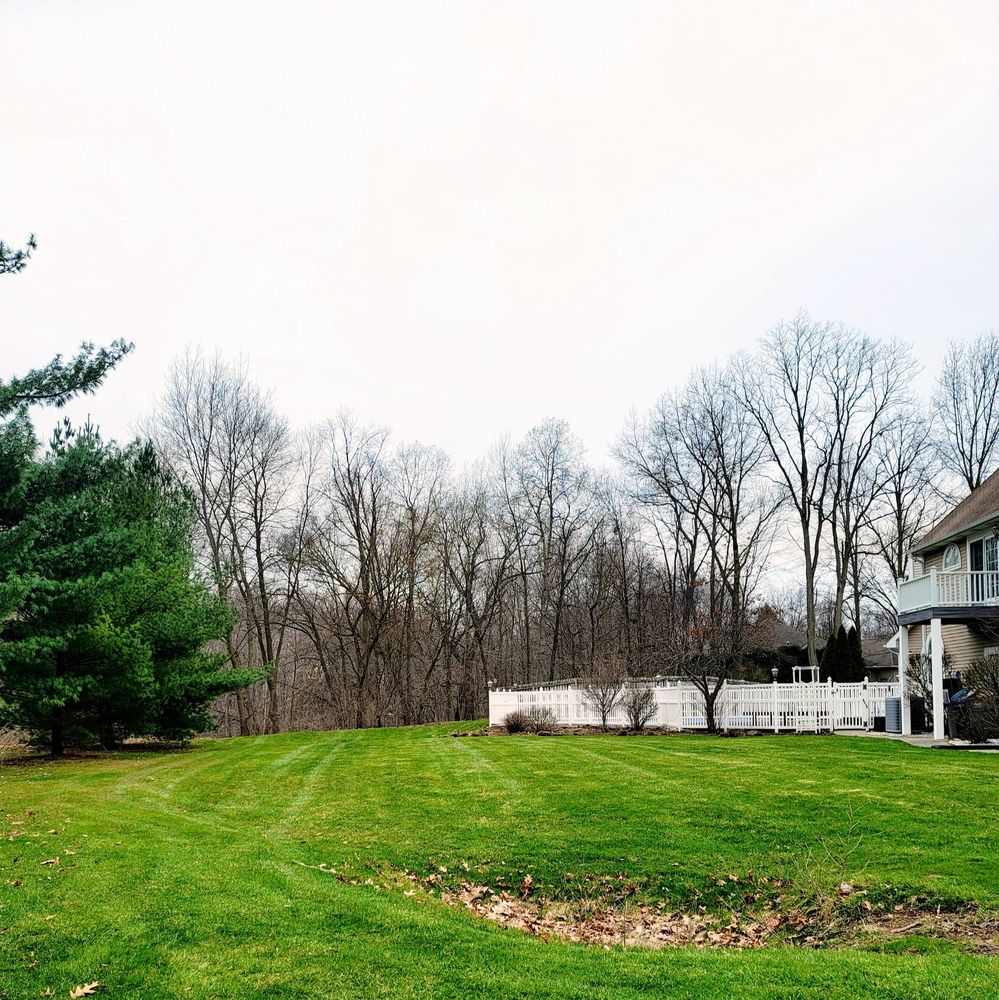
[893, 715]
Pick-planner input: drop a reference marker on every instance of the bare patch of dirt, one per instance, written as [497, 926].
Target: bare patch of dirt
[975, 933]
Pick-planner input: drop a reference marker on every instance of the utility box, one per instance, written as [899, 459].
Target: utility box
[893, 715]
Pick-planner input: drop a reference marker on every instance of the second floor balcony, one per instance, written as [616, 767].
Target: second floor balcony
[950, 592]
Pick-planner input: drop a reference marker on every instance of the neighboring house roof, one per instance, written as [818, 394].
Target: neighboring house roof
[978, 507]
[876, 653]
[769, 632]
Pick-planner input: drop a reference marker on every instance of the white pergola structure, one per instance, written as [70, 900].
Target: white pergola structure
[798, 674]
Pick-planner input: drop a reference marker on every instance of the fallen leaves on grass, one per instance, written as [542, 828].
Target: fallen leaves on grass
[630, 923]
[86, 990]
[765, 912]
[639, 924]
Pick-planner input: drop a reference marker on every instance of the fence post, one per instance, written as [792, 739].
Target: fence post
[831, 705]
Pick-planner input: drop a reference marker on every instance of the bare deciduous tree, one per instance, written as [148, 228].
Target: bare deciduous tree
[867, 383]
[966, 407]
[551, 501]
[821, 396]
[601, 688]
[697, 468]
[223, 438]
[700, 650]
[903, 509]
[477, 558]
[358, 555]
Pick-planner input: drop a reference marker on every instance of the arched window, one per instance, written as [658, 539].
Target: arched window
[952, 557]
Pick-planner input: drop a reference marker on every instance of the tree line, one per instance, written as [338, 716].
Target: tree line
[378, 584]
[333, 576]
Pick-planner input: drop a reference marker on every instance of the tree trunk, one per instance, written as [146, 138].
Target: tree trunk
[273, 725]
[709, 711]
[810, 610]
[57, 746]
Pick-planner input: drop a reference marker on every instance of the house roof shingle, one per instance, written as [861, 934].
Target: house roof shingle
[976, 507]
[769, 632]
[876, 654]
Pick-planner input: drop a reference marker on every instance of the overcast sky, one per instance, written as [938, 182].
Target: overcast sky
[460, 218]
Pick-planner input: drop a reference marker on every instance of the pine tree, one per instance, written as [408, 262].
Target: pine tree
[856, 668]
[59, 381]
[828, 663]
[12, 261]
[836, 657]
[111, 636]
[55, 384]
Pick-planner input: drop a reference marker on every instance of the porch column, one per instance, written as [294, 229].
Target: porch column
[903, 678]
[936, 642]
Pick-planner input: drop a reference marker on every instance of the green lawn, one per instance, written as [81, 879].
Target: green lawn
[184, 874]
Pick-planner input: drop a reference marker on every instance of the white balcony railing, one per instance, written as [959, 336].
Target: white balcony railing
[938, 589]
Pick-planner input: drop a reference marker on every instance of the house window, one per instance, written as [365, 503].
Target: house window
[952, 557]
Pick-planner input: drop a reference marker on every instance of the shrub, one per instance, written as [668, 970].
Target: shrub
[920, 674]
[977, 720]
[533, 720]
[544, 720]
[758, 663]
[517, 721]
[978, 716]
[639, 705]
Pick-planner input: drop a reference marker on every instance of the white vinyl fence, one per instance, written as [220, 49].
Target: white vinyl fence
[800, 708]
